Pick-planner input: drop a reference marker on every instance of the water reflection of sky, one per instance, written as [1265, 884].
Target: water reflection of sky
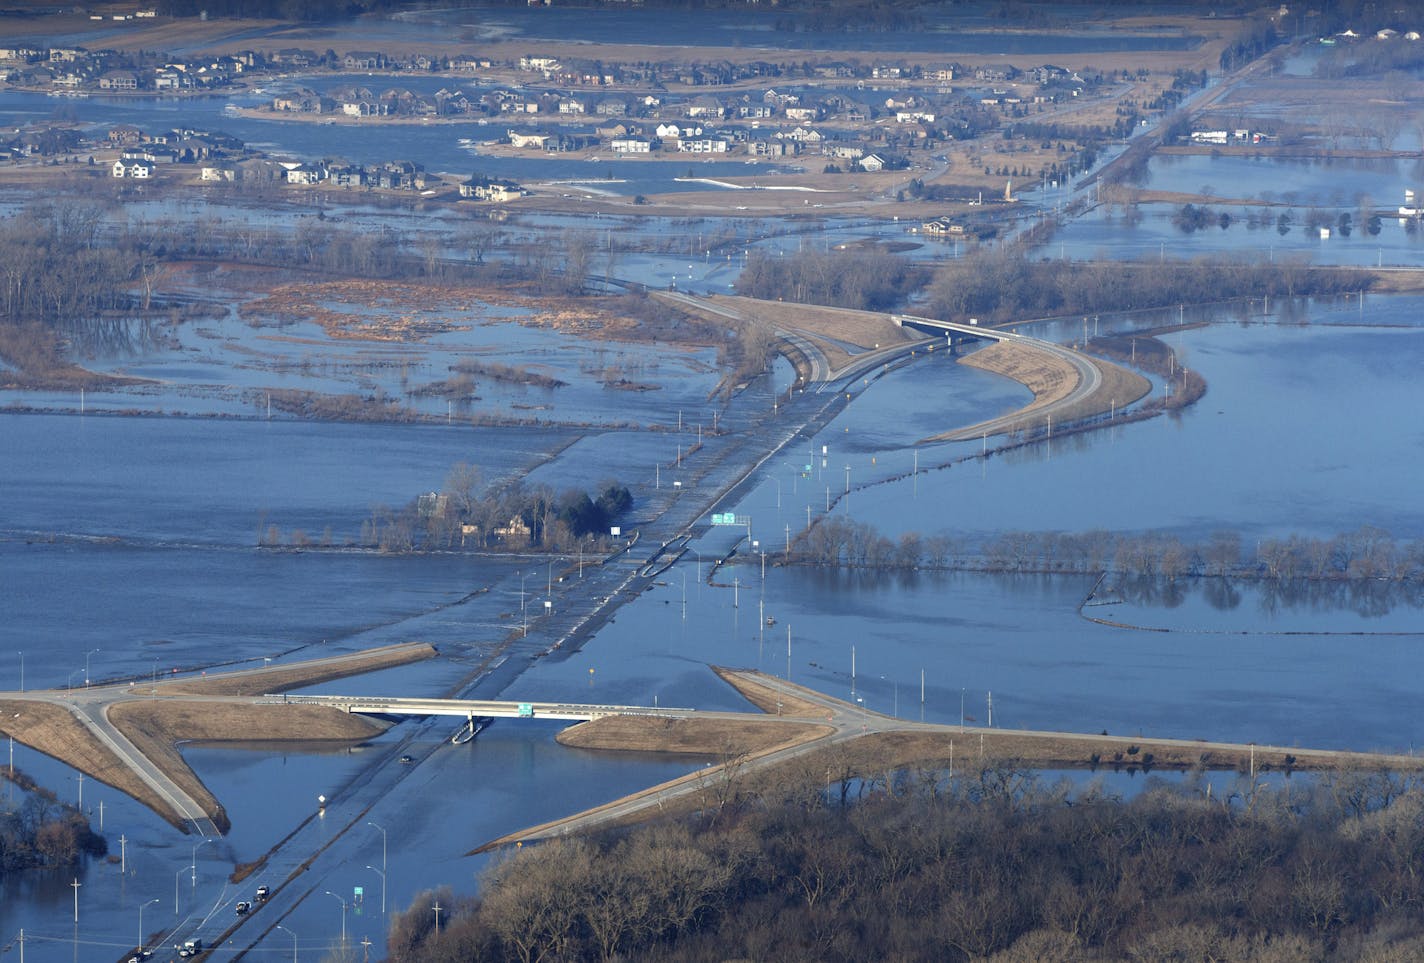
[1317, 181]
[1107, 232]
[1303, 430]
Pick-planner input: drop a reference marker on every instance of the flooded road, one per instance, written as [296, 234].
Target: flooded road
[153, 522]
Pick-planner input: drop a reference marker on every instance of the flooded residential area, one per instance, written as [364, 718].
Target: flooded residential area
[661, 481]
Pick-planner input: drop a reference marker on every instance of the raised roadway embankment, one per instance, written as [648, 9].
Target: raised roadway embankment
[828, 735]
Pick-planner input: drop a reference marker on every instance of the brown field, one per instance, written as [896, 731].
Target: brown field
[158, 727]
[725, 738]
[56, 732]
[905, 750]
[254, 682]
[769, 700]
[1049, 378]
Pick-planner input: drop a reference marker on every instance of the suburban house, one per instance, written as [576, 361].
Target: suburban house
[942, 227]
[631, 145]
[528, 141]
[773, 148]
[346, 175]
[364, 60]
[118, 80]
[299, 101]
[497, 192]
[703, 145]
[704, 107]
[138, 169]
[307, 174]
[872, 163]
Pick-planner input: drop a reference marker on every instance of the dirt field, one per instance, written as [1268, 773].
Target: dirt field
[1050, 378]
[252, 682]
[55, 732]
[905, 750]
[157, 728]
[705, 737]
[767, 700]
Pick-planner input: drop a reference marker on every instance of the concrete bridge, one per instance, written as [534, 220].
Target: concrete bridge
[474, 708]
[948, 329]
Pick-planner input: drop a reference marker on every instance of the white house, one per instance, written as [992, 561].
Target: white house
[139, 169]
[707, 145]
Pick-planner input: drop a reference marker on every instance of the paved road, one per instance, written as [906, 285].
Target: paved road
[850, 722]
[1089, 379]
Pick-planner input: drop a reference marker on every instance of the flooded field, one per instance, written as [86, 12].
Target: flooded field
[130, 545]
[1306, 407]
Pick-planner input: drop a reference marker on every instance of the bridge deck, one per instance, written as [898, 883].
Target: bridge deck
[468, 708]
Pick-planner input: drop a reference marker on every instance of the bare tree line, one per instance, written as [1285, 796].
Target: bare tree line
[863, 280]
[1003, 284]
[1367, 553]
[986, 861]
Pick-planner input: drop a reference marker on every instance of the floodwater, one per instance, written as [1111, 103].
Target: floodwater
[184, 497]
[1316, 181]
[441, 147]
[152, 522]
[1288, 440]
[1150, 232]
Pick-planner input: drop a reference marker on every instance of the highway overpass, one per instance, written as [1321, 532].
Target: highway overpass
[474, 708]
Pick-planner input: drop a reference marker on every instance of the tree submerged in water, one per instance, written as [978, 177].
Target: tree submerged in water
[44, 832]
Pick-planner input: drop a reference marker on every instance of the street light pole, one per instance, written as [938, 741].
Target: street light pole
[383, 843]
[22, 671]
[343, 914]
[86, 666]
[195, 860]
[140, 920]
[383, 887]
[177, 876]
[294, 940]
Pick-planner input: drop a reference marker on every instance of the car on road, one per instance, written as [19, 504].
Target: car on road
[263, 892]
[140, 955]
[407, 759]
[243, 907]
